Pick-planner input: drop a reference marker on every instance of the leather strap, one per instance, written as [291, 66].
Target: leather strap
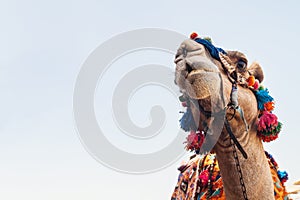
[236, 142]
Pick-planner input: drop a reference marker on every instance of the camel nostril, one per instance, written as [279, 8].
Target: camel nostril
[188, 68]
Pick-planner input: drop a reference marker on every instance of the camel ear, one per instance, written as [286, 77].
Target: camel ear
[256, 70]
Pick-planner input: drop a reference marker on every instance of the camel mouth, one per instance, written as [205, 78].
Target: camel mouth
[196, 77]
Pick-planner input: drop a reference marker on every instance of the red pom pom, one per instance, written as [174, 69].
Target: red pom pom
[193, 35]
[268, 138]
[256, 85]
[194, 140]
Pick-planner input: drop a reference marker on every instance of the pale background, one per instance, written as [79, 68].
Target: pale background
[42, 47]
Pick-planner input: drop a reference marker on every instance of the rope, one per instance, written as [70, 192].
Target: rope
[238, 167]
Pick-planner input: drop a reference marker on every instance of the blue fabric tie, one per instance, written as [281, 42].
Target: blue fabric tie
[214, 51]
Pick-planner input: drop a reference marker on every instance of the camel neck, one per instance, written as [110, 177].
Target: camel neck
[255, 170]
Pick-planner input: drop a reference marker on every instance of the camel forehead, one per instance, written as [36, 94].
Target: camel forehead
[192, 52]
[189, 48]
[190, 45]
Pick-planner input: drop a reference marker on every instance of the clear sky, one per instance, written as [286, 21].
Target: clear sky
[43, 45]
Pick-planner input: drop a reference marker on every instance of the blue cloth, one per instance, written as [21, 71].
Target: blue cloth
[187, 122]
[262, 97]
[214, 51]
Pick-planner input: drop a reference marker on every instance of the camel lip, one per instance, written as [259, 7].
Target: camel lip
[200, 68]
[195, 72]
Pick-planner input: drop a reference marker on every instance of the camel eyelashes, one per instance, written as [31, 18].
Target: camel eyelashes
[241, 64]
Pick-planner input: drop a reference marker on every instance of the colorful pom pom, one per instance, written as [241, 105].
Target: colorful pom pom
[269, 106]
[268, 127]
[283, 176]
[194, 141]
[262, 97]
[261, 87]
[208, 39]
[203, 177]
[251, 81]
[267, 120]
[193, 35]
[256, 85]
[268, 138]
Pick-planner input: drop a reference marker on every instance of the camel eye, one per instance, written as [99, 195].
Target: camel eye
[241, 64]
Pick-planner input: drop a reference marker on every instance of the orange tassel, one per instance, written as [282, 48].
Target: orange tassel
[269, 106]
[251, 81]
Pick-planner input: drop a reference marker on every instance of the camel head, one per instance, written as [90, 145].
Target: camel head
[205, 75]
[197, 70]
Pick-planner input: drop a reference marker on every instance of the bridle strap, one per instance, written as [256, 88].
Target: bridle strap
[236, 142]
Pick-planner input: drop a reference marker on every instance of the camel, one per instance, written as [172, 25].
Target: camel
[215, 85]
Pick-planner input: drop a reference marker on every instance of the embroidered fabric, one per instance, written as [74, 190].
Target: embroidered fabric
[193, 183]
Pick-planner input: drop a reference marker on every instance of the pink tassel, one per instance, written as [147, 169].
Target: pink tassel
[267, 121]
[268, 127]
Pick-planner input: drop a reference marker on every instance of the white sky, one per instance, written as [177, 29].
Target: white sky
[43, 45]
